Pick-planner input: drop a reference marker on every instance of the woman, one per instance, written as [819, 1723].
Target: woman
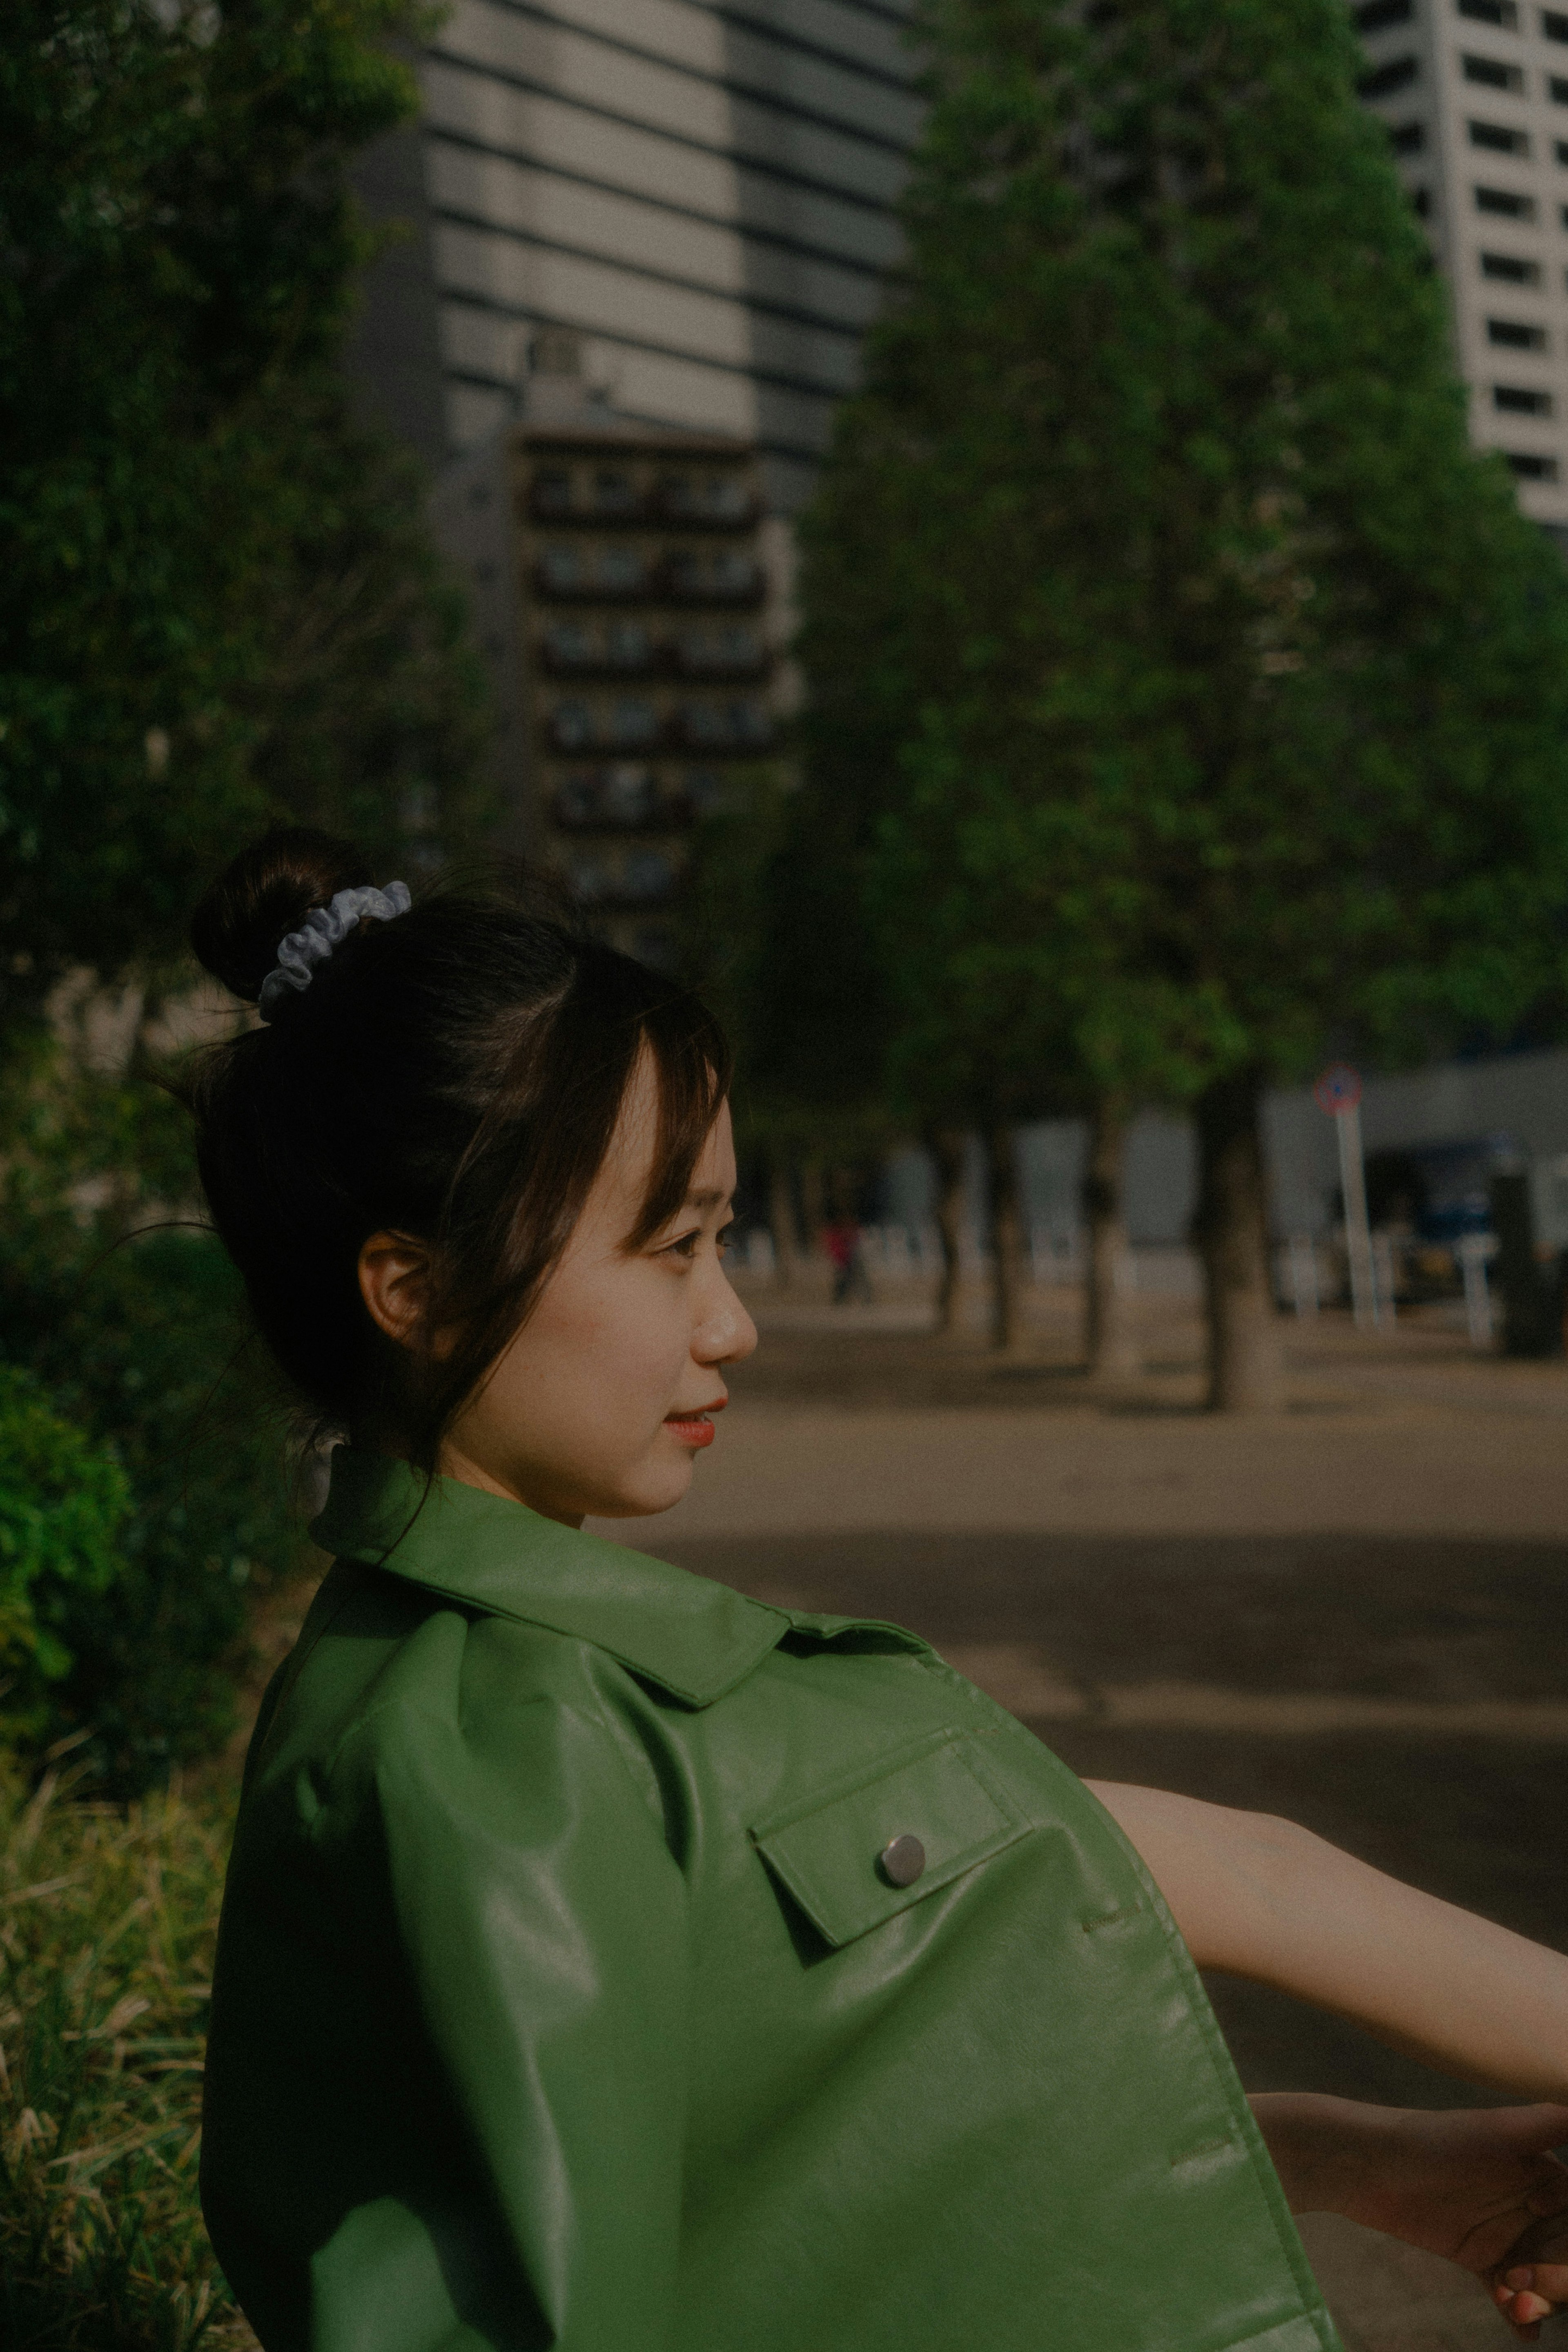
[610, 1962]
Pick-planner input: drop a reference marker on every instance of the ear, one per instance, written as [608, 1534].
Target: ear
[395, 1282]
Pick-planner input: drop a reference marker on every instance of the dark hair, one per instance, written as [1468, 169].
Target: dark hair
[456, 1074]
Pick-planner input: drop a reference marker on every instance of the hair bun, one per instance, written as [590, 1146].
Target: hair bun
[265, 893]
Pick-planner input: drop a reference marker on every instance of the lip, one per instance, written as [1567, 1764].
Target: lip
[695, 1428]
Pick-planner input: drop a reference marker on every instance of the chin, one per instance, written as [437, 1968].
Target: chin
[659, 1489]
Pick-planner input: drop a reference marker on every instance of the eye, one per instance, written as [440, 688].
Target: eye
[684, 1245]
[724, 1238]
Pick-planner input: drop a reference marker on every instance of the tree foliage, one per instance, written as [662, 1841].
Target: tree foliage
[218, 598]
[1201, 690]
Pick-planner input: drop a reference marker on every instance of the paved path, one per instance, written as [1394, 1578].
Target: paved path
[1352, 1614]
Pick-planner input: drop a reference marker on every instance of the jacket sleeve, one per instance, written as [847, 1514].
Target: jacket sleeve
[543, 1927]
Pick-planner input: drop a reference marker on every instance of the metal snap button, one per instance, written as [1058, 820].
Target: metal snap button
[901, 1860]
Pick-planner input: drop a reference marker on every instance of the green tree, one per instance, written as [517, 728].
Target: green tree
[218, 598]
[1210, 694]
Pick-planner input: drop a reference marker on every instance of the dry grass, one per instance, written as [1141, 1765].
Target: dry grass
[107, 1921]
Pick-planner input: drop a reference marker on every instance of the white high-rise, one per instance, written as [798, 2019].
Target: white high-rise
[705, 191]
[702, 189]
[1475, 95]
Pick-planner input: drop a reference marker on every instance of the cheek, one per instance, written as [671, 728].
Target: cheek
[625, 1337]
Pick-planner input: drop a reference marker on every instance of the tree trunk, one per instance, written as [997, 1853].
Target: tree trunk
[945, 1145]
[781, 1223]
[1110, 1329]
[1246, 1370]
[1009, 1268]
[813, 1206]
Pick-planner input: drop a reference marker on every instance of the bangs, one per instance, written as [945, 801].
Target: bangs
[526, 1177]
[691, 1067]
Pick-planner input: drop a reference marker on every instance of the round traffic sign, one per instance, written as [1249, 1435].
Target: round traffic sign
[1339, 1088]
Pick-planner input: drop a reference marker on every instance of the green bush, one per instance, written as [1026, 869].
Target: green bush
[106, 1922]
[140, 1340]
[64, 1503]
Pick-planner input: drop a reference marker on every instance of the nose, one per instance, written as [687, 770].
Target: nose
[727, 1333]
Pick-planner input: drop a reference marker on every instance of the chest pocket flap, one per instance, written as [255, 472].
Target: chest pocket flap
[831, 1849]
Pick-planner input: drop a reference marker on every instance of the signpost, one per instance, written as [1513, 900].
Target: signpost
[1338, 1092]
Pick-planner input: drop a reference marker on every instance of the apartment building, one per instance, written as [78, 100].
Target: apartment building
[623, 598]
[1475, 96]
[702, 190]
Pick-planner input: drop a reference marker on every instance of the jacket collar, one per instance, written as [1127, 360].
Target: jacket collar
[694, 1639]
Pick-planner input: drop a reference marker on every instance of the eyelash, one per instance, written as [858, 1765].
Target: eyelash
[684, 1244]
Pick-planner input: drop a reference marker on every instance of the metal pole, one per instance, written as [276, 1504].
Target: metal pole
[1474, 1250]
[1304, 1275]
[1357, 1225]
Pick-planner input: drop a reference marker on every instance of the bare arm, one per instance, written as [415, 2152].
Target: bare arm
[1268, 1900]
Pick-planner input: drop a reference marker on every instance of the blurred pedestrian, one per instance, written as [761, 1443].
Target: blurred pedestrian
[841, 1240]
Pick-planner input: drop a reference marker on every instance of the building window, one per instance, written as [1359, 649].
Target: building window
[627, 646]
[723, 651]
[633, 723]
[1560, 150]
[573, 726]
[561, 568]
[567, 645]
[623, 798]
[618, 570]
[1504, 201]
[614, 493]
[1515, 337]
[721, 579]
[705, 790]
[1491, 12]
[647, 877]
[553, 492]
[1514, 399]
[1374, 15]
[1531, 468]
[711, 499]
[1554, 24]
[1494, 135]
[1408, 139]
[1399, 74]
[1493, 72]
[1422, 202]
[730, 726]
[1511, 269]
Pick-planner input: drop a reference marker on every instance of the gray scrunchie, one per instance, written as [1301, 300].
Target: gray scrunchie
[324, 929]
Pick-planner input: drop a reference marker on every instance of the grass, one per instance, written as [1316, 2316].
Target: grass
[106, 1922]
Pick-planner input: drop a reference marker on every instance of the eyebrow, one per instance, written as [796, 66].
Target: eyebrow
[713, 1199]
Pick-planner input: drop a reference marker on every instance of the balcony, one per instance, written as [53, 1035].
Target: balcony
[632, 724]
[643, 877]
[624, 649]
[724, 729]
[720, 654]
[727, 579]
[621, 799]
[606, 496]
[599, 575]
[718, 502]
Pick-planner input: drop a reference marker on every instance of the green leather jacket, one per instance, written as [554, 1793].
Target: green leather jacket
[562, 1998]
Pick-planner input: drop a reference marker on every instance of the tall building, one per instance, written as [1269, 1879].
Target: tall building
[1475, 95]
[705, 191]
[702, 191]
[624, 603]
